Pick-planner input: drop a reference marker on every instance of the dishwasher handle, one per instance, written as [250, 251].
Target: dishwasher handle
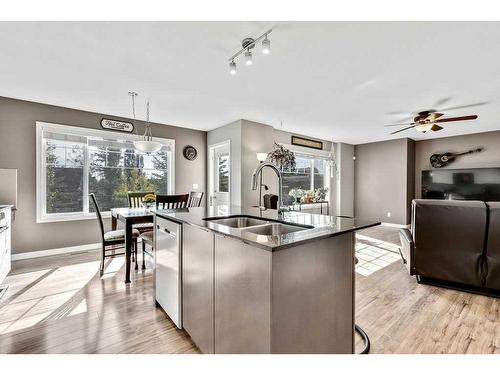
[166, 231]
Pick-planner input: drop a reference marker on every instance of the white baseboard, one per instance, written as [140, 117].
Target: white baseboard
[402, 226]
[62, 250]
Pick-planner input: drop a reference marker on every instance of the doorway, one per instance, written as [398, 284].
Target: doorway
[220, 174]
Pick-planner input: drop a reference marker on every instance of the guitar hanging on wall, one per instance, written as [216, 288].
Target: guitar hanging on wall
[442, 160]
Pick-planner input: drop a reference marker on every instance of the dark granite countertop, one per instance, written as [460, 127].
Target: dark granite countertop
[321, 226]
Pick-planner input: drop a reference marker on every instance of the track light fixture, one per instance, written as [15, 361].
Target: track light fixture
[266, 46]
[247, 44]
[232, 68]
[248, 57]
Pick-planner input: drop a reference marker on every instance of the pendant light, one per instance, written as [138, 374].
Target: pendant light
[146, 143]
[332, 161]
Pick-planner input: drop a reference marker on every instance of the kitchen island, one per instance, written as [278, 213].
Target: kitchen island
[246, 280]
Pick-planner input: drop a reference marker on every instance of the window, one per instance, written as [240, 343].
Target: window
[311, 173]
[223, 173]
[73, 162]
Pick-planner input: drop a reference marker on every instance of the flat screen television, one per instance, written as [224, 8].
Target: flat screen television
[481, 184]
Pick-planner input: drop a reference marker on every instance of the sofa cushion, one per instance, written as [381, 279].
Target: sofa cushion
[493, 248]
[449, 238]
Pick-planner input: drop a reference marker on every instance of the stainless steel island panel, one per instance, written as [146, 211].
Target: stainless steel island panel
[198, 286]
[313, 297]
[242, 297]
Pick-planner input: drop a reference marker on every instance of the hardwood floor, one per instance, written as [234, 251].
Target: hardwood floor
[401, 316]
[60, 304]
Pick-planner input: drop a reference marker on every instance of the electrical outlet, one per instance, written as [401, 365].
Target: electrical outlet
[195, 186]
[388, 214]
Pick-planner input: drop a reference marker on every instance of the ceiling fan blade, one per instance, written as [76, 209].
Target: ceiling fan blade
[400, 130]
[398, 113]
[408, 123]
[463, 106]
[436, 128]
[441, 102]
[460, 118]
[434, 116]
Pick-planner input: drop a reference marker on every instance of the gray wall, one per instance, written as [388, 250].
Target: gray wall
[255, 137]
[231, 132]
[344, 203]
[247, 139]
[17, 150]
[489, 157]
[384, 180]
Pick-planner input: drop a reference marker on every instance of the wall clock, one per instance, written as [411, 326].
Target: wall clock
[190, 152]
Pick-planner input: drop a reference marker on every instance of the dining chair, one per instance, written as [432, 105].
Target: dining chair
[195, 199]
[111, 239]
[163, 201]
[135, 198]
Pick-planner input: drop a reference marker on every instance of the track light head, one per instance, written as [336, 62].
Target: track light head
[248, 57]
[266, 46]
[232, 68]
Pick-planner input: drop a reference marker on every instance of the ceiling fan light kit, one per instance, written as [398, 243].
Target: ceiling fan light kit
[247, 45]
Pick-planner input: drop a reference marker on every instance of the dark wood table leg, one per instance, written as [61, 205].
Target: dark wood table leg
[113, 222]
[128, 249]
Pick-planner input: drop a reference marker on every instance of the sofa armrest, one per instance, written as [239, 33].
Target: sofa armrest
[407, 248]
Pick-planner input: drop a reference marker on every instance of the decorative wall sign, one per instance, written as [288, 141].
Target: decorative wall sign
[304, 142]
[189, 152]
[117, 125]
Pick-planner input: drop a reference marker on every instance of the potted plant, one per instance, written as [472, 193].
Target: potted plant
[297, 194]
[149, 200]
[308, 197]
[282, 158]
[320, 194]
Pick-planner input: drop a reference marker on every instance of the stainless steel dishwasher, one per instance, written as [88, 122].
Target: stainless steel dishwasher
[168, 266]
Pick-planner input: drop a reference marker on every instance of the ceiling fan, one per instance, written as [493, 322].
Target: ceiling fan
[428, 121]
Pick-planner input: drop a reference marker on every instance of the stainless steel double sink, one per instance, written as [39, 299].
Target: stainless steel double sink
[258, 226]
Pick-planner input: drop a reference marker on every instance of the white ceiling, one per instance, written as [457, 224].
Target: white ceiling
[332, 80]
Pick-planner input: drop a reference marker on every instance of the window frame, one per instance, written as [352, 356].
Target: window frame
[41, 189]
[313, 155]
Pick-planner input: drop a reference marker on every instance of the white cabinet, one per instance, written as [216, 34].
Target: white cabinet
[5, 243]
[168, 265]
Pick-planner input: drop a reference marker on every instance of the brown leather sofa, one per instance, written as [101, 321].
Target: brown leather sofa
[454, 244]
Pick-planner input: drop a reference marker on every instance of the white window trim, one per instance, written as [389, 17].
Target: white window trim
[318, 154]
[41, 215]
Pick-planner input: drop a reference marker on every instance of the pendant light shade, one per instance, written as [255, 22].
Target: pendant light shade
[146, 144]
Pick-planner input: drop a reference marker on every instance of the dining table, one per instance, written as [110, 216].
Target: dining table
[130, 216]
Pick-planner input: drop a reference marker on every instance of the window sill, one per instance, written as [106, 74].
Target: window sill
[61, 217]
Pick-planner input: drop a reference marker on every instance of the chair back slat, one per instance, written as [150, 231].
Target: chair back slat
[98, 213]
[195, 199]
[135, 198]
[172, 201]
